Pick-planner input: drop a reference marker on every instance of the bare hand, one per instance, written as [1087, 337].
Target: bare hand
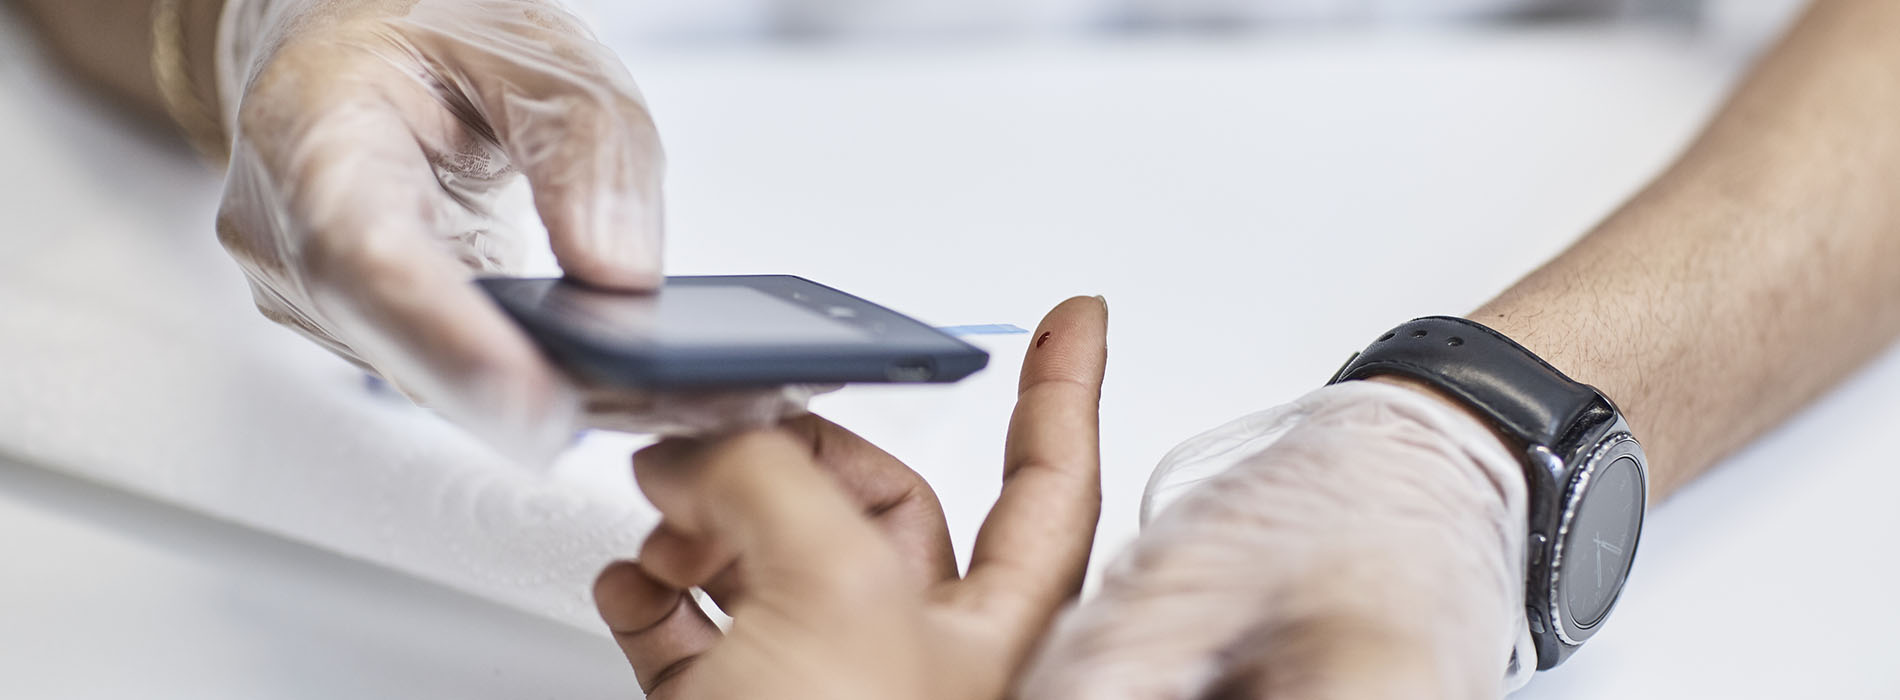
[833, 560]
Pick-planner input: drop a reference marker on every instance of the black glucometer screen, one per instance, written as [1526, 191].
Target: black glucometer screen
[728, 332]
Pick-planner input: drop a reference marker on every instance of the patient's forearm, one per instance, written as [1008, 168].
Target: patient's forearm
[109, 43]
[1758, 271]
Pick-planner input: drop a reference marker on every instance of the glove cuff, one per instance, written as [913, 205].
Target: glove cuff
[1217, 451]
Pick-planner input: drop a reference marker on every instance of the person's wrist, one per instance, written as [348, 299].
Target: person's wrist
[1428, 389]
[1506, 472]
[1593, 347]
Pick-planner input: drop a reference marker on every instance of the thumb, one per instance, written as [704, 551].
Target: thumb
[571, 118]
[597, 172]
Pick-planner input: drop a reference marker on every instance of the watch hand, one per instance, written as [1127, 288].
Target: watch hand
[1599, 565]
[1605, 545]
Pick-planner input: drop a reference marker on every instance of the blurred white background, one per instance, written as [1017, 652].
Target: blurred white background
[1203, 163]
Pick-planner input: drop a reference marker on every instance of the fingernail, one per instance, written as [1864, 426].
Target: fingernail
[1104, 301]
[1044, 338]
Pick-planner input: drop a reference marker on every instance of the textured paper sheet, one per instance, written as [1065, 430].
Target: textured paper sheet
[130, 356]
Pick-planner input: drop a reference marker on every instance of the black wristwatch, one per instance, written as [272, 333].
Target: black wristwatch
[1587, 475]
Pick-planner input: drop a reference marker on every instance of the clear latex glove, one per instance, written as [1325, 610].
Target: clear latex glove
[1365, 541]
[372, 141]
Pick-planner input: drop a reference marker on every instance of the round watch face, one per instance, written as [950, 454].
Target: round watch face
[1602, 541]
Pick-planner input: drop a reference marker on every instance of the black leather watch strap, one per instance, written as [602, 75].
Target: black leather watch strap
[1521, 394]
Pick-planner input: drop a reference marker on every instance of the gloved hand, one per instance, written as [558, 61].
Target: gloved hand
[1365, 541]
[372, 140]
[833, 558]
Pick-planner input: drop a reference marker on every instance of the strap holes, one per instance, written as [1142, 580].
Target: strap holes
[1455, 341]
[1418, 334]
[1384, 338]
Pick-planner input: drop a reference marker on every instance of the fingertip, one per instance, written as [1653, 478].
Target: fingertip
[663, 455]
[629, 600]
[1071, 343]
[613, 265]
[1087, 307]
[660, 629]
[666, 474]
[680, 561]
[611, 262]
[815, 431]
[1081, 321]
[608, 236]
[598, 170]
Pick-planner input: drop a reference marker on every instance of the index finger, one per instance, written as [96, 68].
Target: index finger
[1034, 548]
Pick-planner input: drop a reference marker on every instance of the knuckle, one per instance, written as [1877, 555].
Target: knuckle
[354, 261]
[253, 118]
[660, 454]
[668, 678]
[629, 112]
[242, 244]
[610, 113]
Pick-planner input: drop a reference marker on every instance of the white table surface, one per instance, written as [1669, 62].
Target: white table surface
[1253, 209]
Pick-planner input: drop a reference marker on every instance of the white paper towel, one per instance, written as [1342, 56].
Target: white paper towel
[130, 356]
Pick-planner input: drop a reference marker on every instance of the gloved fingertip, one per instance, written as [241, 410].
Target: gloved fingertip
[628, 273]
[615, 242]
